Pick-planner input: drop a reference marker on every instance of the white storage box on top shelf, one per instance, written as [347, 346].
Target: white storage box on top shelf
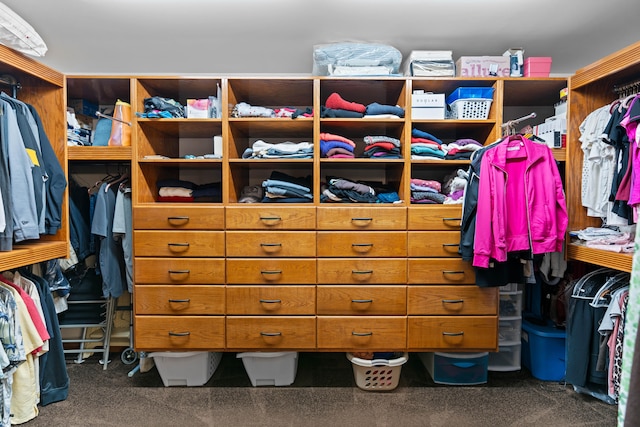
[192, 368]
[270, 368]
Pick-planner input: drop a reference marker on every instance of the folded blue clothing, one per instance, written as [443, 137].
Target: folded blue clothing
[417, 133]
[288, 192]
[375, 108]
[284, 184]
[325, 146]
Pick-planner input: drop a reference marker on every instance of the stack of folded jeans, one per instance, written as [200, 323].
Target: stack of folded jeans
[284, 188]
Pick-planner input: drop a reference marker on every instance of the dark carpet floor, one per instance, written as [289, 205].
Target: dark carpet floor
[324, 393]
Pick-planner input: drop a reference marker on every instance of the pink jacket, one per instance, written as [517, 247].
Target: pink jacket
[521, 202]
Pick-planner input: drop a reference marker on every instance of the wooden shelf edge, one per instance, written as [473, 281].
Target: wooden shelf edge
[606, 66]
[99, 153]
[32, 253]
[617, 261]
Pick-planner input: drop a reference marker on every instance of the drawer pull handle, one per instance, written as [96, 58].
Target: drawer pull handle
[271, 246]
[186, 245]
[362, 301]
[271, 334]
[179, 271]
[452, 301]
[182, 219]
[361, 334]
[364, 246]
[179, 334]
[361, 219]
[451, 219]
[270, 218]
[270, 301]
[362, 271]
[453, 272]
[451, 244]
[180, 300]
[453, 334]
[271, 272]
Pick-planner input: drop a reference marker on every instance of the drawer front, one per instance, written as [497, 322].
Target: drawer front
[361, 218]
[366, 300]
[440, 217]
[178, 243]
[453, 333]
[178, 217]
[271, 244]
[179, 333]
[444, 244]
[271, 271]
[448, 300]
[270, 218]
[179, 300]
[362, 333]
[179, 271]
[362, 244]
[362, 271]
[265, 332]
[271, 300]
[436, 271]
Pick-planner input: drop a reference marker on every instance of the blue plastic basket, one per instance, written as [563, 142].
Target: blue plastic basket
[470, 93]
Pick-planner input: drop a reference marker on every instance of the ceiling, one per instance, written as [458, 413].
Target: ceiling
[277, 36]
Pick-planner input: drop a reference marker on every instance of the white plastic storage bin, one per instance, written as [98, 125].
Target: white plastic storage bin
[510, 305]
[456, 368]
[506, 359]
[509, 331]
[192, 368]
[270, 368]
[377, 374]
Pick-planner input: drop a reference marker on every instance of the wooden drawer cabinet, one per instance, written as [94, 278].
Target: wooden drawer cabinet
[179, 271]
[440, 217]
[263, 300]
[448, 333]
[180, 300]
[271, 332]
[452, 300]
[387, 333]
[271, 244]
[178, 243]
[271, 271]
[362, 271]
[364, 300]
[452, 271]
[434, 244]
[270, 217]
[362, 218]
[362, 244]
[179, 333]
[178, 217]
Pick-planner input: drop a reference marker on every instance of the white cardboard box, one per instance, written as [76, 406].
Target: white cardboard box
[427, 105]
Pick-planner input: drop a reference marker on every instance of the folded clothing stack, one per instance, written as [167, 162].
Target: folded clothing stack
[284, 188]
[379, 147]
[176, 190]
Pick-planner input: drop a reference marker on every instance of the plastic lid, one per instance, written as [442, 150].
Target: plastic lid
[544, 331]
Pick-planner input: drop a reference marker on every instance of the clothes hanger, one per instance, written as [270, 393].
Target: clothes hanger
[122, 178]
[584, 288]
[603, 296]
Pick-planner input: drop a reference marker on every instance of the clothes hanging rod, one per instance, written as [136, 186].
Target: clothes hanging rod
[627, 87]
[12, 82]
[510, 123]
